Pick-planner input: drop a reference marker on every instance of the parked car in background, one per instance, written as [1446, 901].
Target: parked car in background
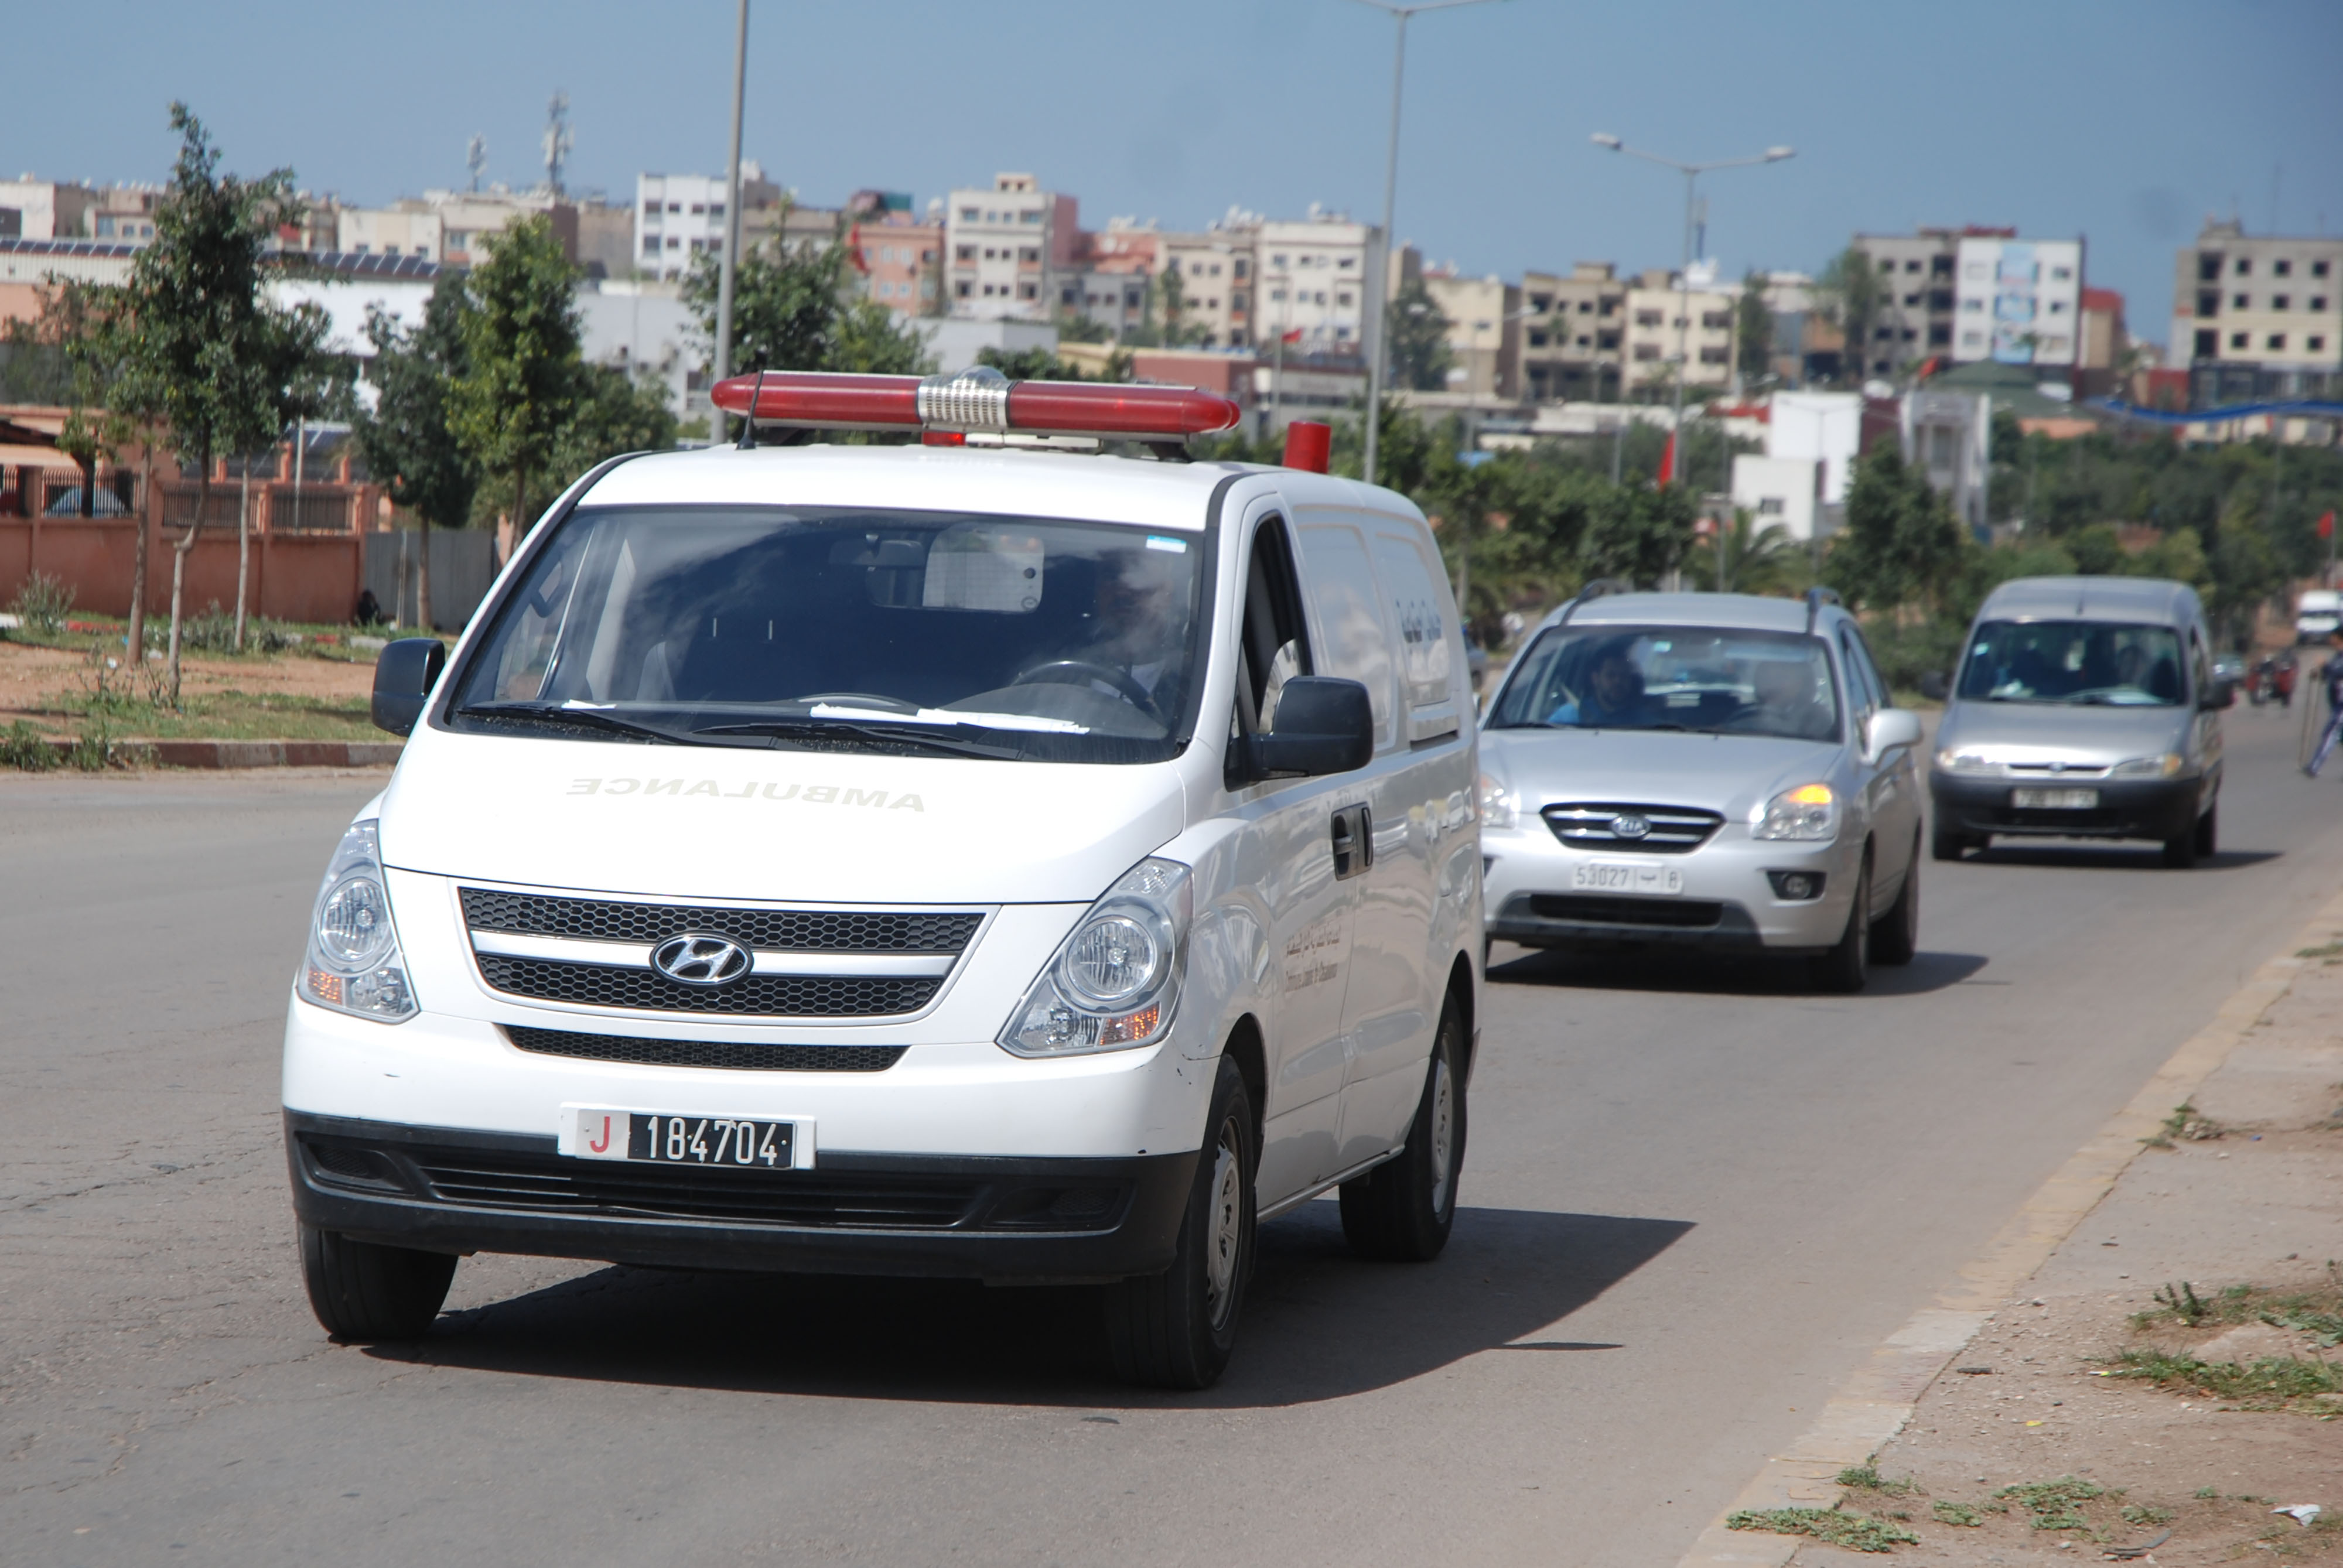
[2317, 613]
[1710, 771]
[2083, 707]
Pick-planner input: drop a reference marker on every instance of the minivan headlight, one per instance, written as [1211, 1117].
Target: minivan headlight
[1951, 762]
[2165, 765]
[354, 964]
[1808, 811]
[1114, 982]
[1497, 809]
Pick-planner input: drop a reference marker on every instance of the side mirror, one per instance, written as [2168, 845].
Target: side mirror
[2223, 695]
[1934, 686]
[1890, 727]
[404, 674]
[1323, 726]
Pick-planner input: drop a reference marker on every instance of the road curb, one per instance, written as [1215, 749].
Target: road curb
[220, 754]
[1880, 1396]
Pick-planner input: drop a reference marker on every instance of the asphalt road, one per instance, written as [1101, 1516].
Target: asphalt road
[1695, 1198]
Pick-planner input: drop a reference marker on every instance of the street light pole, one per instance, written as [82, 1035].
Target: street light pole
[1372, 288]
[1692, 173]
[730, 258]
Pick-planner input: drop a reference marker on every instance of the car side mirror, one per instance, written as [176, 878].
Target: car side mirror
[1934, 685]
[1324, 725]
[404, 674]
[1888, 728]
[2224, 694]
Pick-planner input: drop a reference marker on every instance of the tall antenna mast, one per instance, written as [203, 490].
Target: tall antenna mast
[556, 139]
[476, 158]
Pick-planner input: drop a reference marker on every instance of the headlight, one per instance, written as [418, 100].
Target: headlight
[354, 964]
[2165, 766]
[1951, 762]
[1114, 984]
[1809, 811]
[1496, 804]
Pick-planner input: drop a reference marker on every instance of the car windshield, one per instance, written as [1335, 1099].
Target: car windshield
[1003, 636]
[2072, 661]
[1703, 679]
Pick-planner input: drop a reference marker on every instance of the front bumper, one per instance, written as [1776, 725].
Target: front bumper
[2127, 808]
[450, 1190]
[1728, 901]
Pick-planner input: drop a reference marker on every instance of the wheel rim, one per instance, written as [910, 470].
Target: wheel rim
[1223, 1233]
[1443, 1132]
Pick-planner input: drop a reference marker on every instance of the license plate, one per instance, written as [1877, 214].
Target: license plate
[661, 1138]
[1626, 877]
[2054, 799]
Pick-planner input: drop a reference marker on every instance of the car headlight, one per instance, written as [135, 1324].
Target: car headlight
[1114, 982]
[2165, 765]
[1497, 808]
[354, 964]
[1808, 811]
[1951, 762]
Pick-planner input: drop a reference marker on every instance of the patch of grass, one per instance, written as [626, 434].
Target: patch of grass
[230, 715]
[1959, 1514]
[2208, 1491]
[25, 748]
[1831, 1526]
[2142, 1513]
[2183, 1304]
[2317, 1312]
[1867, 1478]
[2185, 1122]
[42, 605]
[2273, 1382]
[2331, 951]
[2055, 1504]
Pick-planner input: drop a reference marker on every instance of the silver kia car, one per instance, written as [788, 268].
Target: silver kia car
[1708, 770]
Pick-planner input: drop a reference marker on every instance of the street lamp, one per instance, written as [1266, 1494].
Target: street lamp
[1692, 173]
[730, 257]
[1401, 12]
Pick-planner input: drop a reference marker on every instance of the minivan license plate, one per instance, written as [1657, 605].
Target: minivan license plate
[2054, 799]
[1626, 877]
[652, 1137]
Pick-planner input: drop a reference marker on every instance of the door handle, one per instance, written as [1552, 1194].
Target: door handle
[1353, 841]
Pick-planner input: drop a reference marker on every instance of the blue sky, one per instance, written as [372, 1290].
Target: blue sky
[2127, 123]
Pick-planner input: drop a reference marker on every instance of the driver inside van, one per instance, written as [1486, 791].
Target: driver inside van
[1133, 630]
[1613, 698]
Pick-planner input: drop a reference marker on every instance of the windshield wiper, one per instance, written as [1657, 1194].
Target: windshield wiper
[857, 729]
[534, 712]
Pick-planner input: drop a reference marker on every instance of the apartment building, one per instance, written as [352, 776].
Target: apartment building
[1485, 331]
[2019, 302]
[1003, 245]
[901, 258]
[2270, 307]
[1216, 285]
[1663, 320]
[1918, 299]
[61, 209]
[410, 228]
[1312, 277]
[1573, 337]
[1112, 272]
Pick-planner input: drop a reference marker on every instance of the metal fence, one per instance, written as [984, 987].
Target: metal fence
[56, 493]
[463, 564]
[316, 510]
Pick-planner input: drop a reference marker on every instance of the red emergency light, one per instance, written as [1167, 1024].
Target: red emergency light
[977, 401]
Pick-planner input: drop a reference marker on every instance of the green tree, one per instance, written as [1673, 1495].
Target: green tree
[1754, 328]
[1745, 558]
[614, 413]
[199, 347]
[1849, 296]
[1639, 534]
[1417, 333]
[522, 366]
[1042, 365]
[405, 437]
[1902, 543]
[804, 310]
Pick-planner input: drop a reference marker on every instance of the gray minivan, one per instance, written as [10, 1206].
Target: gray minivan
[2083, 707]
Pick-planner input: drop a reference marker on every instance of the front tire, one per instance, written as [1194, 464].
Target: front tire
[1895, 935]
[1946, 845]
[364, 1292]
[1175, 1330]
[1842, 969]
[2180, 851]
[2209, 831]
[1402, 1209]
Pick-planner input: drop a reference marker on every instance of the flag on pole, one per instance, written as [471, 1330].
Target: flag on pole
[2327, 524]
[1668, 462]
[1295, 336]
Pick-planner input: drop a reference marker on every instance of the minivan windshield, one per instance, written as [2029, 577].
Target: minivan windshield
[2072, 661]
[1703, 679]
[998, 636]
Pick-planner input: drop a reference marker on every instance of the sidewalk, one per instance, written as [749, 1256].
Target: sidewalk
[2246, 1197]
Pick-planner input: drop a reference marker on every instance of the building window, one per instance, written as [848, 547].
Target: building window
[2245, 267]
[1645, 352]
[674, 243]
[1344, 298]
[1717, 320]
[2277, 342]
[1027, 291]
[968, 215]
[966, 253]
[651, 245]
[1886, 264]
[2317, 303]
[2241, 302]
[2208, 267]
[2208, 303]
[1972, 339]
[1647, 318]
[1770, 507]
[1940, 267]
[1712, 355]
[2318, 269]
[2315, 345]
[2240, 340]
[2279, 301]
[1912, 265]
[1939, 336]
[2283, 267]
[2062, 275]
[1537, 339]
[674, 206]
[2208, 343]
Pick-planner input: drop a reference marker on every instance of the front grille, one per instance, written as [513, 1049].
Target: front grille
[766, 996]
[2031, 771]
[548, 1183]
[1674, 830]
[807, 930]
[1600, 909]
[738, 1054]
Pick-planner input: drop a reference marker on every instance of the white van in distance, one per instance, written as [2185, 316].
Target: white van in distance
[1023, 865]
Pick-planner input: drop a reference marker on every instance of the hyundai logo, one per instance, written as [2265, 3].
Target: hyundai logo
[1630, 825]
[700, 960]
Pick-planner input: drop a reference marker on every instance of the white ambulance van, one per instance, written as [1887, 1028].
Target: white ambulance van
[981, 857]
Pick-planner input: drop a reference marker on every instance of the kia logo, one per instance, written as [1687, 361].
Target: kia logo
[1630, 825]
[700, 960]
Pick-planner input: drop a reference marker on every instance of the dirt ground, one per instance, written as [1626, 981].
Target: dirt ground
[34, 678]
[2250, 1195]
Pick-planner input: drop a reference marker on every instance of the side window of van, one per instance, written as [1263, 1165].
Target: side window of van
[1273, 640]
[1880, 695]
[1862, 694]
[2200, 664]
[1425, 663]
[1357, 643]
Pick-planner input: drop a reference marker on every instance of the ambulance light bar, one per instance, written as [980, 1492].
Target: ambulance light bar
[977, 401]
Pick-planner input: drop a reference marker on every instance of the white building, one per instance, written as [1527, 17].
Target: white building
[1002, 247]
[2018, 301]
[1313, 279]
[1664, 320]
[677, 216]
[1949, 436]
[1785, 491]
[411, 229]
[1825, 428]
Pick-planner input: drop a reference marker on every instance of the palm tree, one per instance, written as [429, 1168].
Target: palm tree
[1745, 559]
